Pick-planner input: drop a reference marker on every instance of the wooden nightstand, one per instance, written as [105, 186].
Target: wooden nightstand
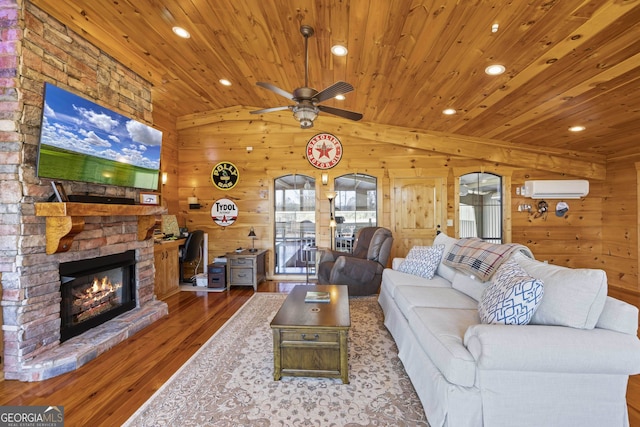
[246, 268]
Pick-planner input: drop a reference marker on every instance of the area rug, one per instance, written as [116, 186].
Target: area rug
[229, 381]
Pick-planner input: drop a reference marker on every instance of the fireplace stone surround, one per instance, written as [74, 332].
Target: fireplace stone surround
[31, 301]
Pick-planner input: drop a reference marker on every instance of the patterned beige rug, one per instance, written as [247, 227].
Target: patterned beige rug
[229, 381]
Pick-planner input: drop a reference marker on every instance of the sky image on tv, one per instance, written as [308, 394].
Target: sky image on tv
[82, 141]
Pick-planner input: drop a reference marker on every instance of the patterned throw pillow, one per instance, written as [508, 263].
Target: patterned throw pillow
[422, 261]
[511, 298]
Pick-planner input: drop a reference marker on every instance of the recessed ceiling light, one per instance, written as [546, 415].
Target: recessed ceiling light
[340, 97]
[225, 82]
[339, 50]
[577, 128]
[495, 70]
[494, 28]
[449, 111]
[181, 32]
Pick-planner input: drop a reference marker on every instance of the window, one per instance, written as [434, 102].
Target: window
[355, 207]
[295, 214]
[481, 206]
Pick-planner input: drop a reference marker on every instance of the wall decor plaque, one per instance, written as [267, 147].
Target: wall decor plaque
[224, 212]
[324, 151]
[225, 175]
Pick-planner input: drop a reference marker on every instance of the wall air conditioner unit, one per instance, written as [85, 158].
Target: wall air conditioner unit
[556, 189]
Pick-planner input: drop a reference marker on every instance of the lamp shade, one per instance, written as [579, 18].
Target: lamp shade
[252, 233]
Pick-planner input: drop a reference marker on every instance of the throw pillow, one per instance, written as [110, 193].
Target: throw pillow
[573, 297]
[422, 261]
[511, 298]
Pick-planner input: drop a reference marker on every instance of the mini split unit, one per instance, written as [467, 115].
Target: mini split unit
[556, 189]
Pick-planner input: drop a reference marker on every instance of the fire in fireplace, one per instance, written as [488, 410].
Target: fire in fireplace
[94, 291]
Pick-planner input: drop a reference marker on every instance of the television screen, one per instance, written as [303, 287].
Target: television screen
[82, 141]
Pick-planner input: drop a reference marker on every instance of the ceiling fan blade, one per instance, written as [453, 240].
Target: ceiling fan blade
[341, 113]
[338, 88]
[269, 110]
[275, 89]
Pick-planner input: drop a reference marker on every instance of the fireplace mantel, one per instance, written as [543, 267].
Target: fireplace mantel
[66, 220]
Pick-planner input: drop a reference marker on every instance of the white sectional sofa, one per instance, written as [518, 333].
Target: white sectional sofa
[568, 367]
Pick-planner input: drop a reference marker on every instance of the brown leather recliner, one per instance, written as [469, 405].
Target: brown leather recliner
[362, 269]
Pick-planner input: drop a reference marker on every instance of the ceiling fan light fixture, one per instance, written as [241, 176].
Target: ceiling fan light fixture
[339, 50]
[305, 114]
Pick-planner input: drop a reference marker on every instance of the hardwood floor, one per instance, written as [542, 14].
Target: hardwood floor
[107, 390]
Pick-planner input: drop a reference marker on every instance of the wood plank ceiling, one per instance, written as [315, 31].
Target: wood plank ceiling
[568, 62]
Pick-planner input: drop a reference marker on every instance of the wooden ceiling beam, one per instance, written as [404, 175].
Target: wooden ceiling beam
[571, 163]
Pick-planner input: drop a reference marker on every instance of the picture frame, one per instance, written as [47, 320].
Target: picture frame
[58, 190]
[149, 198]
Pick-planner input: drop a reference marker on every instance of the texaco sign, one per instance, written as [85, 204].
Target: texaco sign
[324, 151]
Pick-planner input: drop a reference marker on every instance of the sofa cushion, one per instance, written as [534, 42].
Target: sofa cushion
[409, 297]
[440, 332]
[511, 298]
[393, 279]
[468, 284]
[448, 242]
[573, 297]
[422, 261]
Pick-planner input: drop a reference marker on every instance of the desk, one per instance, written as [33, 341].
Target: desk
[246, 268]
[165, 256]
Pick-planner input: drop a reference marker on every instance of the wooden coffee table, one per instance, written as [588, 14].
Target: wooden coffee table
[310, 339]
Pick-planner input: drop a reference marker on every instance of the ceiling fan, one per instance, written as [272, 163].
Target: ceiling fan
[308, 99]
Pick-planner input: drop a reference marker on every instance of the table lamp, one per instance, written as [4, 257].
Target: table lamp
[252, 235]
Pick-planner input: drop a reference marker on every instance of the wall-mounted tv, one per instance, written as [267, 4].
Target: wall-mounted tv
[82, 141]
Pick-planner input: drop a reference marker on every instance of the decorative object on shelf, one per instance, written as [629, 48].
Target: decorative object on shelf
[225, 175]
[58, 190]
[324, 151]
[252, 235]
[149, 198]
[224, 212]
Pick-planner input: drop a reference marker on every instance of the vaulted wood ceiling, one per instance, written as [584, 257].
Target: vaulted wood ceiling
[568, 62]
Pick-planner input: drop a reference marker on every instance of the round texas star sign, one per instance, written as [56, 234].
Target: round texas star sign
[225, 175]
[324, 151]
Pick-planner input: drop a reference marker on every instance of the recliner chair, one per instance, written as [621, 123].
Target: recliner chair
[362, 269]
[191, 250]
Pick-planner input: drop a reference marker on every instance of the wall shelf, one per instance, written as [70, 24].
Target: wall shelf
[66, 220]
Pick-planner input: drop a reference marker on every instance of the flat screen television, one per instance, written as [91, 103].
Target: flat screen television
[82, 141]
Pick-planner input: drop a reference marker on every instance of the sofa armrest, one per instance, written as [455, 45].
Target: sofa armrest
[354, 270]
[395, 263]
[553, 349]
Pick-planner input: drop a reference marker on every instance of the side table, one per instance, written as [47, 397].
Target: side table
[246, 268]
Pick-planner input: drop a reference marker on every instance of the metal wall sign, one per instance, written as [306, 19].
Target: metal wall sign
[324, 151]
[225, 175]
[224, 212]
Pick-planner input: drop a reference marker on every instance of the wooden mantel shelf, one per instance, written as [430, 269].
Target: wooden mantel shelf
[66, 220]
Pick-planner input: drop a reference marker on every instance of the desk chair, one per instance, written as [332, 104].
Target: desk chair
[191, 250]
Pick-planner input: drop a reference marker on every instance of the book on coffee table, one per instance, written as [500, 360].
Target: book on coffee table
[317, 297]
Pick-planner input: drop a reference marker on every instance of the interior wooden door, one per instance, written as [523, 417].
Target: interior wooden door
[418, 207]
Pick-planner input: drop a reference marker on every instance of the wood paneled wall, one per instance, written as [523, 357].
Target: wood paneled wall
[599, 231]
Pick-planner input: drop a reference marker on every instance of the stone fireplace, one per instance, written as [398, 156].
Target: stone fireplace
[37, 345]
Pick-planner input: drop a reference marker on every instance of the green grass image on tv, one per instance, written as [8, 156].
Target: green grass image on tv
[58, 163]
